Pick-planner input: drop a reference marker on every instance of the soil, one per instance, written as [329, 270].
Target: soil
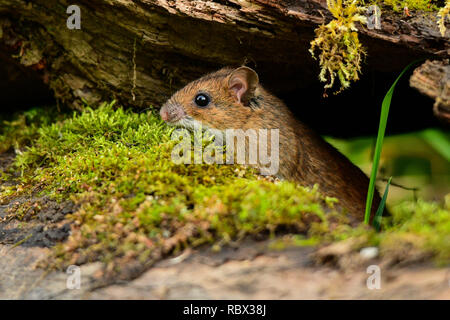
[246, 272]
[249, 270]
[42, 224]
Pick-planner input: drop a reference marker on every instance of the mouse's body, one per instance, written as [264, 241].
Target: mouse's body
[234, 99]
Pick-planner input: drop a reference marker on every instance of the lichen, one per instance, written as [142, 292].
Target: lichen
[443, 14]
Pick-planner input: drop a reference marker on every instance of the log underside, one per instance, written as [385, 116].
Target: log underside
[140, 52]
[433, 79]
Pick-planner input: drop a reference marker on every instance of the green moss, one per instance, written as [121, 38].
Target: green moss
[21, 129]
[425, 225]
[340, 52]
[135, 203]
[414, 227]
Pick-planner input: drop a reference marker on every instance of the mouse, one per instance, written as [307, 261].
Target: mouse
[233, 98]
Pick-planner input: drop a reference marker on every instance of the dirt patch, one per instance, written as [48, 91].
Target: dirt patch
[41, 225]
[41, 218]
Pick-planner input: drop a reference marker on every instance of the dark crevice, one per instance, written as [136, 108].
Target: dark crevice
[21, 87]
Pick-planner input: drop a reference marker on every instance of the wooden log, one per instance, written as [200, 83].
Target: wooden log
[433, 79]
[139, 52]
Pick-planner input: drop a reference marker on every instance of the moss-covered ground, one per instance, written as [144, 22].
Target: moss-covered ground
[134, 204]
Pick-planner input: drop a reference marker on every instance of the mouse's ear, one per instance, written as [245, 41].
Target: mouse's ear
[242, 83]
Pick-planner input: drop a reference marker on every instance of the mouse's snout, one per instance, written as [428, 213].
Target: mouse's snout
[164, 114]
[171, 112]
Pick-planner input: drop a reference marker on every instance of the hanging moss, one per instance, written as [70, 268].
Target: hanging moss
[340, 50]
[444, 13]
[340, 53]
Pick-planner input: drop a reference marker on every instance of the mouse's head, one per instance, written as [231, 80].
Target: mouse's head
[218, 100]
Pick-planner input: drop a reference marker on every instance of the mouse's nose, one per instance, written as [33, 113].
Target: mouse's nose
[171, 112]
[164, 113]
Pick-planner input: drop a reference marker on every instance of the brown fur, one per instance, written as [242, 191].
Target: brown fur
[304, 156]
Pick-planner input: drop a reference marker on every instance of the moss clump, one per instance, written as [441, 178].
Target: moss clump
[136, 204]
[22, 128]
[415, 228]
[424, 225]
[340, 50]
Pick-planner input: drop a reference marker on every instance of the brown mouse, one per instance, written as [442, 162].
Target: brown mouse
[234, 99]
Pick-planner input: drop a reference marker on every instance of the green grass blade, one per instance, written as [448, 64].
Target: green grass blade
[380, 210]
[380, 137]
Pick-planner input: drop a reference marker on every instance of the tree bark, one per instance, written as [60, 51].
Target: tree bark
[433, 79]
[139, 52]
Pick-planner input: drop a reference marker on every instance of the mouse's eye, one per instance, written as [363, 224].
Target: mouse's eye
[202, 100]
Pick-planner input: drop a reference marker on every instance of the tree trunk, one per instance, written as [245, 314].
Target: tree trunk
[139, 52]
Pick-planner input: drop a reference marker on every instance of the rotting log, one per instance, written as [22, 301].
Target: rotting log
[138, 52]
[433, 79]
